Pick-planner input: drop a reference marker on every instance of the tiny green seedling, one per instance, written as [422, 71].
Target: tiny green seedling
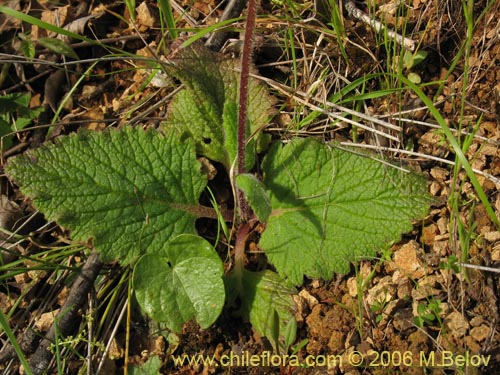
[136, 194]
[428, 313]
[451, 264]
[410, 60]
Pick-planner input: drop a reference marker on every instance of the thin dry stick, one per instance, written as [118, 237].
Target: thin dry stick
[113, 335]
[358, 14]
[490, 177]
[481, 268]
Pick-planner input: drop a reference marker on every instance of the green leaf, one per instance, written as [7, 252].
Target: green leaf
[28, 48]
[266, 301]
[419, 56]
[181, 282]
[150, 367]
[415, 78]
[58, 46]
[15, 115]
[332, 207]
[129, 189]
[230, 127]
[207, 107]
[198, 108]
[13, 102]
[408, 59]
[256, 195]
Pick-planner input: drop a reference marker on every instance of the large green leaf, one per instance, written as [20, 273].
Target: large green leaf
[129, 189]
[181, 282]
[207, 107]
[150, 367]
[266, 301]
[331, 207]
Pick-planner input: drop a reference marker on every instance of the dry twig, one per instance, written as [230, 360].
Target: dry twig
[68, 319]
[358, 14]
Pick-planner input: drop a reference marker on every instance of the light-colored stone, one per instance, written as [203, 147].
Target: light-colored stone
[439, 174]
[406, 259]
[492, 236]
[304, 302]
[45, 321]
[352, 286]
[476, 321]
[428, 286]
[495, 253]
[429, 234]
[456, 324]
[381, 293]
[480, 333]
[144, 16]
[443, 225]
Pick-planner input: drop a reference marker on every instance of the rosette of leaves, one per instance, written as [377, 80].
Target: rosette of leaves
[135, 194]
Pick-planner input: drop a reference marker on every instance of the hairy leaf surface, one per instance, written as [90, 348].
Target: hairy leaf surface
[255, 193]
[266, 301]
[331, 207]
[129, 189]
[207, 107]
[181, 282]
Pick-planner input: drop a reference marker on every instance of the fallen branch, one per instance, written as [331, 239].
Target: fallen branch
[233, 9]
[68, 319]
[358, 14]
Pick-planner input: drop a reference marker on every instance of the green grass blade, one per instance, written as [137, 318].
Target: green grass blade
[12, 338]
[456, 147]
[44, 25]
[131, 8]
[338, 26]
[167, 18]
[70, 94]
[206, 30]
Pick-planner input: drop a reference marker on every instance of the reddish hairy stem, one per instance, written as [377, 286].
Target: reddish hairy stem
[246, 58]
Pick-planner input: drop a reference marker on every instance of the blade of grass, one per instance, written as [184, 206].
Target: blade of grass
[207, 30]
[70, 94]
[290, 48]
[10, 335]
[167, 19]
[131, 8]
[221, 222]
[44, 25]
[338, 27]
[456, 147]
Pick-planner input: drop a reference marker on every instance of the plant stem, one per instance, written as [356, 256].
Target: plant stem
[246, 58]
[239, 253]
[203, 211]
